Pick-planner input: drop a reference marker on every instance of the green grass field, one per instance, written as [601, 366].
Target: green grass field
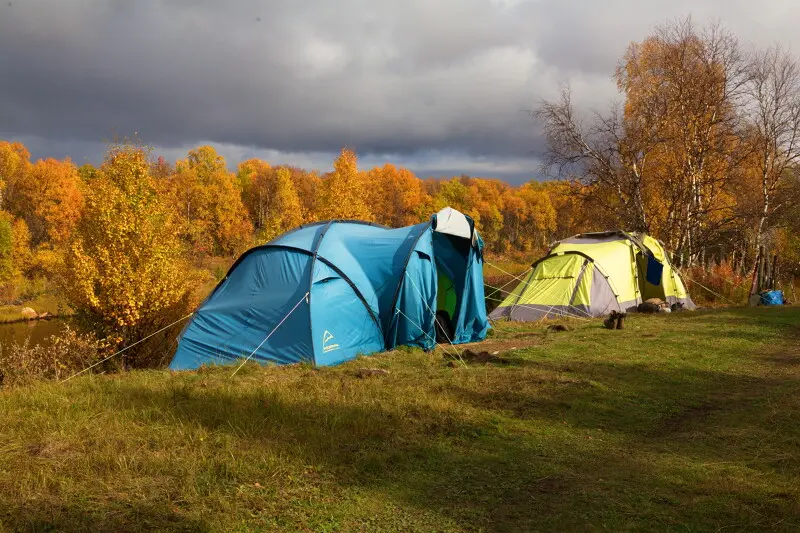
[684, 422]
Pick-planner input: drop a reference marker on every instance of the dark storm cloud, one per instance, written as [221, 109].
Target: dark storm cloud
[431, 84]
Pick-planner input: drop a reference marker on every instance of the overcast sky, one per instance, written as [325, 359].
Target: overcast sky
[440, 86]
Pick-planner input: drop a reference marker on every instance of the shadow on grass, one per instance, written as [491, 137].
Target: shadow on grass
[548, 445]
[476, 468]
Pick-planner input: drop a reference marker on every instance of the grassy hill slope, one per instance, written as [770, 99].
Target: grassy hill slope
[686, 422]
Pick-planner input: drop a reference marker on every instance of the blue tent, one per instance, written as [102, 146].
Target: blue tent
[326, 292]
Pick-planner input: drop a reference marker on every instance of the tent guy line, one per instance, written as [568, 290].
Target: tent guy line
[534, 306]
[435, 318]
[718, 295]
[304, 298]
[503, 286]
[127, 348]
[458, 355]
[527, 283]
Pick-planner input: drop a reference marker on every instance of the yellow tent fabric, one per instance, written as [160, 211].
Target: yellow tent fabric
[593, 274]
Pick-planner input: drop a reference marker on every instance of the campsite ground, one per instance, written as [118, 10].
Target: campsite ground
[685, 422]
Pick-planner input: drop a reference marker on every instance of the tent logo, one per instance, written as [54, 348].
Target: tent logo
[326, 338]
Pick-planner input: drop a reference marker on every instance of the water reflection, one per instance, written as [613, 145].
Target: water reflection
[38, 331]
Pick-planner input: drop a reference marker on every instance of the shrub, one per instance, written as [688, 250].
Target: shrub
[58, 357]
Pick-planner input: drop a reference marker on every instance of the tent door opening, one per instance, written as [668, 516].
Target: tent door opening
[452, 260]
[650, 270]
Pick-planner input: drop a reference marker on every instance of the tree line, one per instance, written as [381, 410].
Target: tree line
[702, 153]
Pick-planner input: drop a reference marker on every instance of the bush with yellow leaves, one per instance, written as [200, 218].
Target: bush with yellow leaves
[123, 273]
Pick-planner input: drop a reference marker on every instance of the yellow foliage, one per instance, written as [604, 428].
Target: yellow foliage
[207, 201]
[286, 212]
[15, 161]
[123, 271]
[343, 194]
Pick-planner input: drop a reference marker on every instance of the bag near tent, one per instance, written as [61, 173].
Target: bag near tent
[593, 274]
[337, 289]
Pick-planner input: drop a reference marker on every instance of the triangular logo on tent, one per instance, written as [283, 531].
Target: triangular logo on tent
[326, 338]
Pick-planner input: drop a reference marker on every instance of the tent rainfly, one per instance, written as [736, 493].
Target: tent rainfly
[327, 292]
[593, 274]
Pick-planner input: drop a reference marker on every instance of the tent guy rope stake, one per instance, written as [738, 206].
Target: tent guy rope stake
[126, 348]
[304, 298]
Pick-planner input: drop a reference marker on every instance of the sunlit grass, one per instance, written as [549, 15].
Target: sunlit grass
[686, 422]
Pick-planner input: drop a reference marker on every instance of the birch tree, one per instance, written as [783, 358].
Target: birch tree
[773, 117]
[597, 152]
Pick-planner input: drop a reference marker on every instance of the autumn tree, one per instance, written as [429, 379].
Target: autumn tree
[15, 162]
[772, 135]
[308, 185]
[343, 194]
[683, 88]
[161, 168]
[598, 154]
[208, 204]
[123, 272]
[87, 172]
[529, 218]
[285, 211]
[486, 198]
[397, 196]
[15, 255]
[49, 199]
[254, 178]
[456, 194]
[661, 162]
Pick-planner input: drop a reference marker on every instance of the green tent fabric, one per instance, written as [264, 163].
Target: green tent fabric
[446, 295]
[593, 274]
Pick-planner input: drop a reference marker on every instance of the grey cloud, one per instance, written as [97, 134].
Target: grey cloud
[429, 84]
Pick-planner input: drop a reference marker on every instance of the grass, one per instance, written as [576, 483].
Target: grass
[685, 422]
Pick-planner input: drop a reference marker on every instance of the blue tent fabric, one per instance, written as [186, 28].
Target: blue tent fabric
[342, 289]
[769, 298]
[655, 270]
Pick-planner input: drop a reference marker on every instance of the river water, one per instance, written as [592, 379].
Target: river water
[37, 331]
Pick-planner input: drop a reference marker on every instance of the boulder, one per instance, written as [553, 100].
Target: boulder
[28, 313]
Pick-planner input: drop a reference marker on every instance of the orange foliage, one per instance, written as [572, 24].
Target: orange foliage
[49, 199]
[208, 203]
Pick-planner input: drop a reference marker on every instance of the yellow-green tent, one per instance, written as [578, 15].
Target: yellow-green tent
[593, 274]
